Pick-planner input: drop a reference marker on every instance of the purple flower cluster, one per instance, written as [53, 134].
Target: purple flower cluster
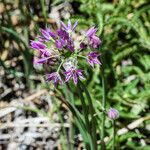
[61, 50]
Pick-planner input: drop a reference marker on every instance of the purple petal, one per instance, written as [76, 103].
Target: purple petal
[46, 53]
[96, 61]
[50, 76]
[67, 72]
[69, 25]
[45, 34]
[83, 45]
[62, 34]
[52, 34]
[37, 45]
[63, 25]
[70, 47]
[68, 77]
[75, 78]
[60, 43]
[79, 72]
[42, 60]
[55, 77]
[91, 63]
[92, 58]
[93, 54]
[94, 41]
[75, 25]
[91, 32]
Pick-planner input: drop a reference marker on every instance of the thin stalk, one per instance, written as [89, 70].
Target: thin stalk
[60, 66]
[84, 108]
[114, 134]
[87, 122]
[103, 113]
[81, 124]
[93, 119]
[81, 56]
[69, 96]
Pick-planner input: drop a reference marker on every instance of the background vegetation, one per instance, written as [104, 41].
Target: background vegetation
[124, 28]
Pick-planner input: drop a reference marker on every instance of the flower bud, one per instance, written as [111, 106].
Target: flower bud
[113, 113]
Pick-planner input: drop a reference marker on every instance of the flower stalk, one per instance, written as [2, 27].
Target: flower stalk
[104, 107]
[93, 119]
[114, 134]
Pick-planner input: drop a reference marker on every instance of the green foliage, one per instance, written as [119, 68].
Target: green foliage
[123, 27]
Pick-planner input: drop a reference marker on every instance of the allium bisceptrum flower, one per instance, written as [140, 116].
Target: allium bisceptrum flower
[92, 58]
[38, 45]
[113, 113]
[57, 49]
[64, 40]
[55, 77]
[45, 54]
[74, 74]
[91, 32]
[48, 34]
[94, 41]
[69, 28]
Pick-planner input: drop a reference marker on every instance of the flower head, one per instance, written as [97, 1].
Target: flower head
[48, 34]
[63, 48]
[74, 74]
[113, 113]
[45, 56]
[92, 58]
[94, 41]
[64, 40]
[91, 32]
[69, 28]
[55, 77]
[41, 47]
[37, 45]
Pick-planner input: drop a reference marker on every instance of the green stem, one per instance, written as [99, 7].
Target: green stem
[103, 113]
[113, 145]
[69, 96]
[84, 108]
[81, 56]
[60, 66]
[93, 119]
